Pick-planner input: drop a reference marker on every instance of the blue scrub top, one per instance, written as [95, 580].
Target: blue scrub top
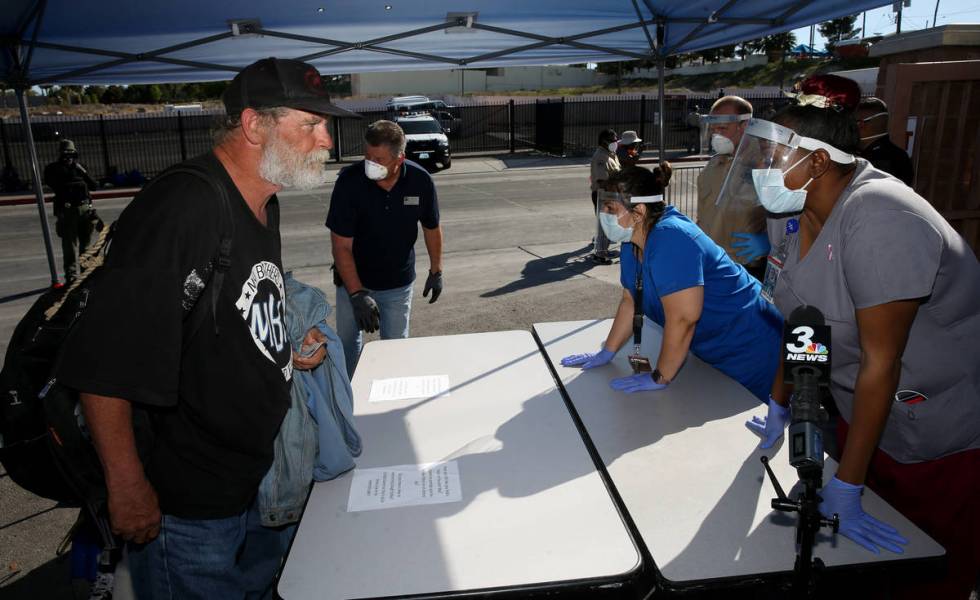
[738, 333]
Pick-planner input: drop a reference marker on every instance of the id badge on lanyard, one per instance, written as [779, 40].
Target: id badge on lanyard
[776, 261]
[774, 267]
[640, 363]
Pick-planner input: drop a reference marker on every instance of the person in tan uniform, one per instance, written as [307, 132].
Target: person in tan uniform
[604, 163]
[739, 227]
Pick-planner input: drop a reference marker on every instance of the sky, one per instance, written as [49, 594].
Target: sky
[881, 21]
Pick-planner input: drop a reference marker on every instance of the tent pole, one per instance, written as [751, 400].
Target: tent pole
[661, 121]
[25, 121]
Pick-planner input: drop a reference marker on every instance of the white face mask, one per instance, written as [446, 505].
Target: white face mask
[613, 230]
[774, 196]
[375, 171]
[613, 146]
[721, 144]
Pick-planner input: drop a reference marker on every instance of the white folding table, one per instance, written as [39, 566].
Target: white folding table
[535, 513]
[688, 471]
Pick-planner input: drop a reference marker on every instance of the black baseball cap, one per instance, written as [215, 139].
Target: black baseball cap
[273, 82]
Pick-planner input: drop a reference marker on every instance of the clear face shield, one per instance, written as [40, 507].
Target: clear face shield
[712, 140]
[613, 210]
[766, 152]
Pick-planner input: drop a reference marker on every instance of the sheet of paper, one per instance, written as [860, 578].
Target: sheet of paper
[404, 485]
[406, 388]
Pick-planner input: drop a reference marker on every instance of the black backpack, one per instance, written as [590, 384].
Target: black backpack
[43, 443]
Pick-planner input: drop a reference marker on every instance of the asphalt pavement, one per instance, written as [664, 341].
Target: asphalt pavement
[517, 236]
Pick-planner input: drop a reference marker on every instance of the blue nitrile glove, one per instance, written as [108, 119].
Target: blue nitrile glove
[756, 245]
[855, 524]
[589, 359]
[641, 382]
[770, 429]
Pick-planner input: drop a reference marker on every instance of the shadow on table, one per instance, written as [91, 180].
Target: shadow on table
[518, 445]
[547, 269]
[620, 424]
[535, 450]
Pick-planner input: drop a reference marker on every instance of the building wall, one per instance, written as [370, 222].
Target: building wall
[937, 44]
[867, 79]
[453, 81]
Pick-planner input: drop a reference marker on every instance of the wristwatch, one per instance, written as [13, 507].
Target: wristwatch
[659, 378]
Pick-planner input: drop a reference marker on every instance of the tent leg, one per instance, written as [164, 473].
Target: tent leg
[661, 118]
[25, 121]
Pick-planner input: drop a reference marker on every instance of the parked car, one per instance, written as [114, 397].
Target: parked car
[442, 112]
[425, 141]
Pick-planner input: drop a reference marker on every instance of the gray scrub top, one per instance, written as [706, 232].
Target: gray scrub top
[882, 243]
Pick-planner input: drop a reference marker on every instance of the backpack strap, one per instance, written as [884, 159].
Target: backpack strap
[223, 260]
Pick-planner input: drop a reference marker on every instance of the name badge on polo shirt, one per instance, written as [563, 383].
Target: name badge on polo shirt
[411, 201]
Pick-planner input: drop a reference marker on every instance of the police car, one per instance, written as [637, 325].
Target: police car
[442, 112]
[426, 142]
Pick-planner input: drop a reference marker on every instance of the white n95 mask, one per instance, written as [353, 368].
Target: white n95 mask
[375, 171]
[613, 146]
[721, 144]
[613, 230]
[773, 194]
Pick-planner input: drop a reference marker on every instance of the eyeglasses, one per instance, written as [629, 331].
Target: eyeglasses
[874, 116]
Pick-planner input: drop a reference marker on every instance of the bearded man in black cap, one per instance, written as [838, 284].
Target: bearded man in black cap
[217, 392]
[72, 185]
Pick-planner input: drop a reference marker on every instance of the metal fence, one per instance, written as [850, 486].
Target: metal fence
[682, 191]
[125, 149]
[122, 149]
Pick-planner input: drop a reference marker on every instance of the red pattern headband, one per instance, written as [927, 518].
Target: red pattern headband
[827, 91]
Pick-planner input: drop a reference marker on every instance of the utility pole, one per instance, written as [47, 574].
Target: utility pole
[934, 15]
[864, 24]
[812, 28]
[897, 8]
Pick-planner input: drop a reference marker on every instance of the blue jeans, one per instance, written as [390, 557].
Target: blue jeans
[395, 306]
[229, 558]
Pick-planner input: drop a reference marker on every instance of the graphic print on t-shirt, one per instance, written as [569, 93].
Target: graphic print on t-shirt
[263, 307]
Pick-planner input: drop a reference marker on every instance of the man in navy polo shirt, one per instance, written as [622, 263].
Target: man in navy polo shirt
[374, 211]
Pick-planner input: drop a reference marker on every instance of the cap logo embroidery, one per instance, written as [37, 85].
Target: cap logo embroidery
[313, 82]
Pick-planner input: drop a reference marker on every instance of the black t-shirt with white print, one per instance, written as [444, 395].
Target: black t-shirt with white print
[218, 399]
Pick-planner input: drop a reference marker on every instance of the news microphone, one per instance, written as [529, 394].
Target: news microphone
[806, 365]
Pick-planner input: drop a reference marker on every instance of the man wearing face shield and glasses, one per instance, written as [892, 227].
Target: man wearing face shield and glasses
[673, 273]
[739, 225]
[876, 148]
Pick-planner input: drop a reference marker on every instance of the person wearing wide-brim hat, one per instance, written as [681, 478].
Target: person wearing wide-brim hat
[629, 149]
[72, 185]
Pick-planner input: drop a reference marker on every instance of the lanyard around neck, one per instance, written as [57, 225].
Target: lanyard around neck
[638, 308]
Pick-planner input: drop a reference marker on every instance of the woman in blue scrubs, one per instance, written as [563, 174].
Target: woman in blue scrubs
[705, 302]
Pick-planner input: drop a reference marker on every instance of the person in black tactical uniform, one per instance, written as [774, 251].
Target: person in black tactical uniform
[73, 214]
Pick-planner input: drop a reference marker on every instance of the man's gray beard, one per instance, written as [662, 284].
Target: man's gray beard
[283, 166]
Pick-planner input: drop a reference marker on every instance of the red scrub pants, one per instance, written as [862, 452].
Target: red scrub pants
[942, 497]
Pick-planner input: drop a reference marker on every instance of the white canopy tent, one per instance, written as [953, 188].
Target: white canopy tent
[126, 42]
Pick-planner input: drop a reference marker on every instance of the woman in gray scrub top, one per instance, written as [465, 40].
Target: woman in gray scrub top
[901, 292]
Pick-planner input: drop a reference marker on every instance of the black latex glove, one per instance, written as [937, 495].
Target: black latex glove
[433, 282]
[366, 311]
